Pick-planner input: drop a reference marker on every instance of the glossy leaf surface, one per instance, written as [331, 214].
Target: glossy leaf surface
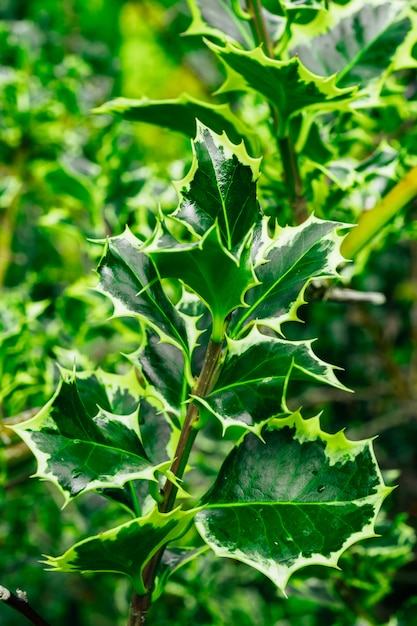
[125, 549]
[80, 445]
[199, 265]
[299, 497]
[284, 264]
[129, 278]
[220, 187]
[253, 378]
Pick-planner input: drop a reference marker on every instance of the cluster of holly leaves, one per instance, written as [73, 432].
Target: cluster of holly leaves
[220, 269]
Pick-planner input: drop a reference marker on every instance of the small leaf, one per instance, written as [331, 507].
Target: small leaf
[284, 264]
[208, 269]
[129, 278]
[180, 115]
[125, 549]
[80, 450]
[360, 47]
[298, 497]
[221, 186]
[252, 381]
[288, 85]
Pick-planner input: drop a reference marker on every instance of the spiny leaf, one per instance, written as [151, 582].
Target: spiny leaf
[163, 368]
[180, 114]
[199, 265]
[360, 47]
[285, 262]
[81, 447]
[252, 381]
[125, 549]
[129, 278]
[288, 85]
[221, 186]
[298, 497]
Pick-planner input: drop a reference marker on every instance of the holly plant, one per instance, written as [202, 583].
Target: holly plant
[213, 288]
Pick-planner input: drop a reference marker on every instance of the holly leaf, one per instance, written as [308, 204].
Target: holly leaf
[252, 381]
[360, 47]
[285, 262]
[162, 366]
[220, 187]
[83, 447]
[216, 18]
[287, 85]
[125, 549]
[129, 279]
[296, 497]
[181, 115]
[198, 265]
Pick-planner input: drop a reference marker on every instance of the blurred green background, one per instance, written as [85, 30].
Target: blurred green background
[67, 177]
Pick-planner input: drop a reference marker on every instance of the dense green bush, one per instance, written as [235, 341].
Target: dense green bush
[328, 101]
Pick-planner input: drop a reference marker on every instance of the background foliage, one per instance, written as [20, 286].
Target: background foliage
[68, 176]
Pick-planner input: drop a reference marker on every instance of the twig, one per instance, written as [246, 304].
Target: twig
[20, 603]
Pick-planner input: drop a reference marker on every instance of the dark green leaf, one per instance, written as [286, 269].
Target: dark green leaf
[297, 497]
[221, 186]
[285, 262]
[252, 381]
[129, 278]
[220, 279]
[80, 451]
[125, 549]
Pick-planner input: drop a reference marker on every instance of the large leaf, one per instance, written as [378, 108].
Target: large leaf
[288, 85]
[125, 549]
[252, 381]
[285, 262]
[180, 114]
[220, 279]
[298, 497]
[81, 446]
[221, 186]
[129, 278]
[360, 47]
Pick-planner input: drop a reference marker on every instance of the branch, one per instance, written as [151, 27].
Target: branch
[141, 603]
[20, 603]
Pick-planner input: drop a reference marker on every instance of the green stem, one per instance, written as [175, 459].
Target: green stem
[285, 147]
[141, 603]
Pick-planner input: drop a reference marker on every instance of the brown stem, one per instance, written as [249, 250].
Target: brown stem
[19, 603]
[140, 604]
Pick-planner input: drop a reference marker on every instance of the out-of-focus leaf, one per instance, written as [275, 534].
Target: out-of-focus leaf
[288, 85]
[360, 47]
[180, 114]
